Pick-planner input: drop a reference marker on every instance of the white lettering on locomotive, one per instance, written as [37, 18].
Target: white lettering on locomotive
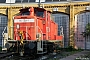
[23, 20]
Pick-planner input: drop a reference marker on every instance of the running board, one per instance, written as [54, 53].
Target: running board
[40, 52]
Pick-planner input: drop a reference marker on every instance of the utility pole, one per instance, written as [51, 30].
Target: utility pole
[39, 3]
[61, 33]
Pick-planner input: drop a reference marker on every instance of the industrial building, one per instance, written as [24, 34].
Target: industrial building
[71, 16]
[81, 20]
[3, 24]
[63, 20]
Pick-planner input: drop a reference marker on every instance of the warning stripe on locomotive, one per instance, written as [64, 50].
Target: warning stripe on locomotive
[23, 20]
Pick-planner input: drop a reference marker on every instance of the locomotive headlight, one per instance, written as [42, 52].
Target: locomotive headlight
[17, 26]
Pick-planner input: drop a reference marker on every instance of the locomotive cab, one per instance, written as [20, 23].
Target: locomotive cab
[29, 22]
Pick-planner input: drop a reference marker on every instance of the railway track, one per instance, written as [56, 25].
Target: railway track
[14, 56]
[5, 54]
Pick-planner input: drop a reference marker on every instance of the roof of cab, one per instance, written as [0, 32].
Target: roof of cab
[37, 8]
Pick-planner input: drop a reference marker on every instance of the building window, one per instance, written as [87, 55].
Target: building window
[55, 0]
[63, 0]
[2, 1]
[26, 13]
[31, 0]
[18, 1]
[48, 0]
[24, 1]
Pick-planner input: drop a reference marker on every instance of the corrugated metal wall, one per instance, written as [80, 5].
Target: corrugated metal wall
[3, 24]
[63, 20]
[80, 22]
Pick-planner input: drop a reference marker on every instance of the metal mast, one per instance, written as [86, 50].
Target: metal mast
[39, 3]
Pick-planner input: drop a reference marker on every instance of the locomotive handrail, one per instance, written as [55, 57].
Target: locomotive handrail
[41, 32]
[26, 30]
[4, 30]
[42, 37]
[32, 26]
[3, 36]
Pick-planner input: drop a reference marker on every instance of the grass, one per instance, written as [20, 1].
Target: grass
[64, 52]
[63, 55]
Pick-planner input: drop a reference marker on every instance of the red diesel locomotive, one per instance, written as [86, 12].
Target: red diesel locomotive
[34, 32]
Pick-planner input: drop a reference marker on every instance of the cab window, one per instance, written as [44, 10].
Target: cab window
[40, 13]
[25, 13]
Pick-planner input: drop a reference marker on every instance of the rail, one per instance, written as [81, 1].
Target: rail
[3, 55]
